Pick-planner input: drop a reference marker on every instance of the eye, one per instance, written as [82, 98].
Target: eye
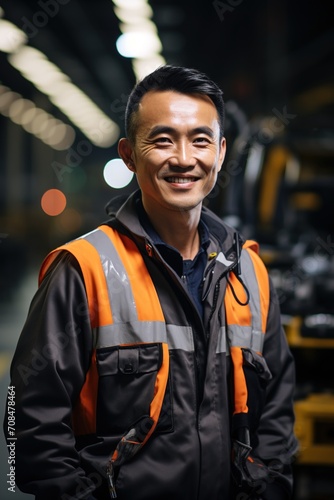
[162, 140]
[202, 140]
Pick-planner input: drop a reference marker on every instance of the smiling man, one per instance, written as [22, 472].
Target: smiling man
[166, 372]
[176, 154]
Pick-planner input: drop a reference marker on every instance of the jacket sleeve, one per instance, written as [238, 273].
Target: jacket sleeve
[277, 444]
[47, 372]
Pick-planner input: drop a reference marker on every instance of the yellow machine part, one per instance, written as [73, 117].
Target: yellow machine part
[314, 429]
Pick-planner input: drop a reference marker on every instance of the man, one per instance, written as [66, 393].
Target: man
[153, 362]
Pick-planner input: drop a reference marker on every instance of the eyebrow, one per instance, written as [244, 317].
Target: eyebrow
[160, 129]
[165, 129]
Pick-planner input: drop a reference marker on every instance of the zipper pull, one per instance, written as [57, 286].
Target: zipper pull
[148, 248]
[111, 480]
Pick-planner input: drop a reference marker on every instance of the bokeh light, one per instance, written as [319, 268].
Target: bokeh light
[53, 202]
[116, 174]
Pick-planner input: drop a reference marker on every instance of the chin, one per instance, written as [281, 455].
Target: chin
[184, 205]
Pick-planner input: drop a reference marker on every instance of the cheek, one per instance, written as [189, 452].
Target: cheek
[213, 175]
[145, 173]
[212, 163]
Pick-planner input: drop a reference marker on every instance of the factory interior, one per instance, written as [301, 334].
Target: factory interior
[66, 70]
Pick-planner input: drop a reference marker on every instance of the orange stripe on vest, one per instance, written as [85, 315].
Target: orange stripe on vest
[237, 314]
[147, 305]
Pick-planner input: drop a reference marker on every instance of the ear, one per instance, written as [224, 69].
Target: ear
[125, 152]
[222, 152]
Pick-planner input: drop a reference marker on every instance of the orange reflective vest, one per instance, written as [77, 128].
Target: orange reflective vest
[125, 311]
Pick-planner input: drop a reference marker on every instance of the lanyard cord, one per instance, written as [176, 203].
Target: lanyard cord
[233, 291]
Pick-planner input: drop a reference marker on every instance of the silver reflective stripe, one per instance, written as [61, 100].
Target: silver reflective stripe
[243, 336]
[180, 337]
[118, 284]
[134, 332]
[221, 342]
[240, 336]
[249, 336]
[177, 337]
[126, 329]
[249, 276]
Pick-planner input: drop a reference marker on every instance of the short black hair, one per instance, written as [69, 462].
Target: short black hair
[177, 79]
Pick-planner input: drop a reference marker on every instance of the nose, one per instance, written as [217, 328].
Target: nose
[183, 156]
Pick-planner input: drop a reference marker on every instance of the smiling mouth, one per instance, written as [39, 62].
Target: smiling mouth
[181, 180]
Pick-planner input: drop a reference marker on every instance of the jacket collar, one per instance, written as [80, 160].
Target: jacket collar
[223, 238]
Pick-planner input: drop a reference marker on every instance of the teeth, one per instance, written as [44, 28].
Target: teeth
[180, 180]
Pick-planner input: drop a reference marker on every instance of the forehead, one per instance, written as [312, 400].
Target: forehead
[159, 106]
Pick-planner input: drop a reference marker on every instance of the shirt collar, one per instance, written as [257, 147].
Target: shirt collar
[154, 236]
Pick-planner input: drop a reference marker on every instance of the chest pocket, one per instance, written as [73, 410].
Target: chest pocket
[127, 379]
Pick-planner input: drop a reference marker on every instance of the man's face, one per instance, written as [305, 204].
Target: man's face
[177, 153]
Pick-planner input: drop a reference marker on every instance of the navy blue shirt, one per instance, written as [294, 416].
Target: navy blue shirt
[190, 271]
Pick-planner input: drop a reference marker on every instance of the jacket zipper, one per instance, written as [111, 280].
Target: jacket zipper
[151, 250]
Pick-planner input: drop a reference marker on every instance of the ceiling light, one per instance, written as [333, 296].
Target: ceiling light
[132, 16]
[139, 40]
[131, 4]
[74, 103]
[143, 67]
[36, 121]
[50, 80]
[138, 44]
[18, 108]
[11, 37]
[6, 99]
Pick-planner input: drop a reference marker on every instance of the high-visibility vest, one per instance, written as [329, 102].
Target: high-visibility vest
[120, 292]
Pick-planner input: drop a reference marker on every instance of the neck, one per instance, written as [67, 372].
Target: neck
[178, 229]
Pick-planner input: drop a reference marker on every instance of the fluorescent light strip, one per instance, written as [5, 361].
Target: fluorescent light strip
[76, 105]
[36, 121]
[51, 81]
[139, 40]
